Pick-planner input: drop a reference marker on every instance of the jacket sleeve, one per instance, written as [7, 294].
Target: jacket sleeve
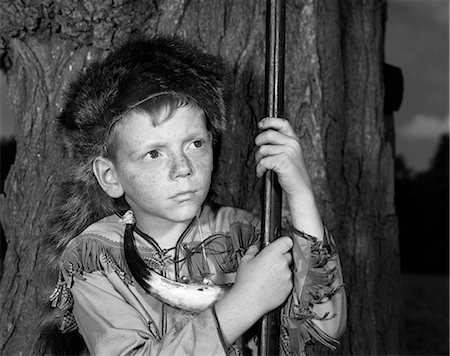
[113, 321]
[316, 310]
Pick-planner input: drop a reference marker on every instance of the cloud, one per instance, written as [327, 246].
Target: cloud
[424, 127]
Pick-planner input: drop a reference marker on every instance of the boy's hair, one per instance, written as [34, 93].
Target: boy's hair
[129, 78]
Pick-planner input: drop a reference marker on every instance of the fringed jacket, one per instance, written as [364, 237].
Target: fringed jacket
[99, 297]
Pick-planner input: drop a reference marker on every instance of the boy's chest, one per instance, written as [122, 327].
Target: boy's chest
[190, 261]
[198, 257]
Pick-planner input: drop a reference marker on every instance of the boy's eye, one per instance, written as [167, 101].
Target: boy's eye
[153, 154]
[198, 143]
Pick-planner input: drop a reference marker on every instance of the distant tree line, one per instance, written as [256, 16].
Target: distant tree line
[422, 203]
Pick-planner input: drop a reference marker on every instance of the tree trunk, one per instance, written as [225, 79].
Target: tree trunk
[334, 99]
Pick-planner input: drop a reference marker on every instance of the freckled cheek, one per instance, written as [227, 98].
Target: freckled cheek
[204, 165]
[152, 181]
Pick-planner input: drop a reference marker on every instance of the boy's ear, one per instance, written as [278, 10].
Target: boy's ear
[105, 173]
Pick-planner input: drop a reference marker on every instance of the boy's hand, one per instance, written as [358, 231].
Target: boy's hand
[279, 149]
[265, 278]
[263, 282]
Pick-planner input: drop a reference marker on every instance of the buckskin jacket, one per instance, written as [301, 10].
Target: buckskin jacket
[98, 295]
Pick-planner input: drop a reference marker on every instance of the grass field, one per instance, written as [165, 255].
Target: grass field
[426, 309]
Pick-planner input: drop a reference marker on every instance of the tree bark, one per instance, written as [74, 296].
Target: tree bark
[334, 99]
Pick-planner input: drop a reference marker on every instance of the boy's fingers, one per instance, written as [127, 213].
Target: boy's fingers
[283, 244]
[269, 150]
[291, 149]
[269, 162]
[272, 137]
[250, 253]
[280, 124]
[286, 243]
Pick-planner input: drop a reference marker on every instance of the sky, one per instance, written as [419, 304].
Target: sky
[417, 41]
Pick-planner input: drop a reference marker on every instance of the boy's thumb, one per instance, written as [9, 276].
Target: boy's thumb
[250, 253]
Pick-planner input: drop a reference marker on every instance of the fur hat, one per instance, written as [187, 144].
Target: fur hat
[103, 93]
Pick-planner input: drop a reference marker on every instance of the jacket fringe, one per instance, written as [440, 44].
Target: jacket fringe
[320, 285]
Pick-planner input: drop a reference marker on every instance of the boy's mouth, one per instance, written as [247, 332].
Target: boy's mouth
[184, 195]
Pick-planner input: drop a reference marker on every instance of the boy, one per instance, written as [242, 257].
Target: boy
[139, 128]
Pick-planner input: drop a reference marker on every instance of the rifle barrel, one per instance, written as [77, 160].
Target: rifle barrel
[274, 97]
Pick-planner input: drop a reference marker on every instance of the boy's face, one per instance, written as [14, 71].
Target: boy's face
[164, 170]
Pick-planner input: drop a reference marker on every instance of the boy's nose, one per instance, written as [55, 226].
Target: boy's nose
[181, 166]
